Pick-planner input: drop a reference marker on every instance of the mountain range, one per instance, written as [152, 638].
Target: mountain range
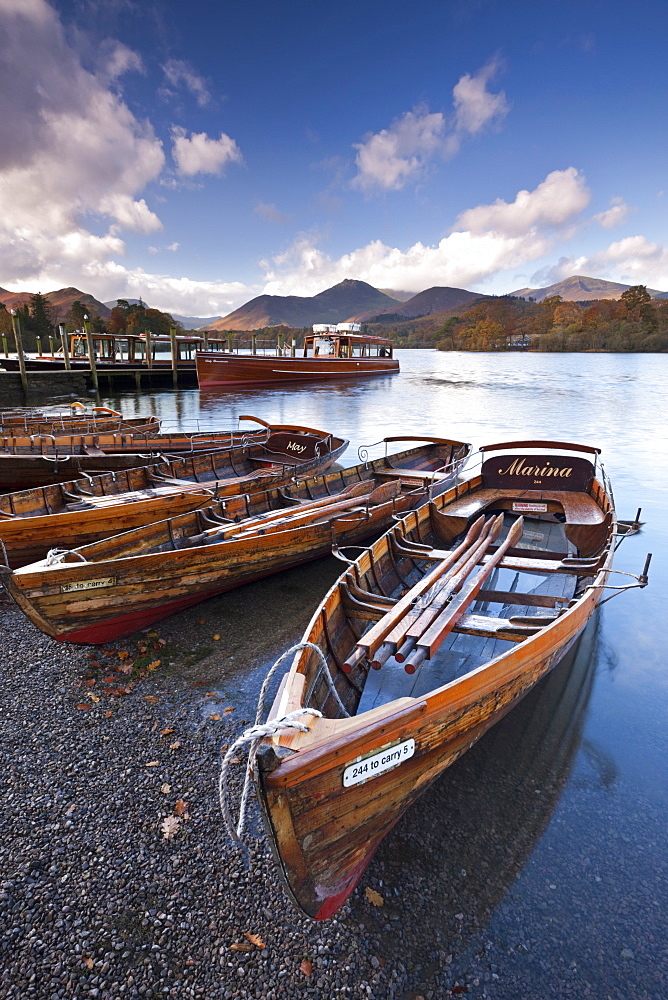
[349, 300]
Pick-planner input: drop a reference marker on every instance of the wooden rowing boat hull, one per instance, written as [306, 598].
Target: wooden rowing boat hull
[325, 806]
[325, 836]
[116, 596]
[29, 538]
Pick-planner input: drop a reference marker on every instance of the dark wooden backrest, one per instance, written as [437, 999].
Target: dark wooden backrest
[299, 446]
[538, 472]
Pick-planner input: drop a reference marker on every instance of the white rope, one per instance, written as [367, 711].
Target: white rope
[56, 556]
[259, 731]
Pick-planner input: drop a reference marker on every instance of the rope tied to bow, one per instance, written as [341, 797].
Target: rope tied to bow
[254, 735]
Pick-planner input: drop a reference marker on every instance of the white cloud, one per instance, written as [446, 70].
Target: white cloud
[198, 154]
[71, 151]
[613, 216]
[561, 196]
[173, 247]
[389, 159]
[180, 72]
[634, 260]
[487, 239]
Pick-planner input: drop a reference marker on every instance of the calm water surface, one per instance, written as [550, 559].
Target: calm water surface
[539, 862]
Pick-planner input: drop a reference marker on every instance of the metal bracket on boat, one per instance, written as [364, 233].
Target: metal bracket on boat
[642, 581]
[337, 551]
[627, 528]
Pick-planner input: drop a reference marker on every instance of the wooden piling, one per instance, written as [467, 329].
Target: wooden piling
[175, 355]
[91, 353]
[149, 350]
[16, 327]
[63, 341]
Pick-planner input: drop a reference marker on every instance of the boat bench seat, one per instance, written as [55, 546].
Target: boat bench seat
[422, 474]
[579, 508]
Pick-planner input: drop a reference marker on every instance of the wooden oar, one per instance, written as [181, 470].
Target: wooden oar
[371, 640]
[446, 619]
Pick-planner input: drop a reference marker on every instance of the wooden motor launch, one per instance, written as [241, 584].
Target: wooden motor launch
[102, 591]
[40, 459]
[330, 352]
[429, 636]
[84, 510]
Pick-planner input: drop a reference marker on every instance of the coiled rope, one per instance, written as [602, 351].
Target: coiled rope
[259, 731]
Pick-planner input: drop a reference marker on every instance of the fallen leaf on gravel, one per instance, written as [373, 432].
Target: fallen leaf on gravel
[126, 668]
[117, 692]
[181, 808]
[88, 962]
[70, 809]
[306, 967]
[216, 636]
[460, 989]
[154, 726]
[215, 717]
[374, 897]
[82, 707]
[254, 939]
[162, 642]
[150, 697]
[94, 698]
[164, 732]
[175, 745]
[94, 664]
[154, 665]
[153, 763]
[241, 946]
[223, 747]
[123, 654]
[190, 961]
[111, 679]
[227, 711]
[210, 694]
[90, 682]
[165, 788]
[169, 826]
[202, 621]
[108, 714]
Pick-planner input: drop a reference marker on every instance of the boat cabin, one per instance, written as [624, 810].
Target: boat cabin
[344, 340]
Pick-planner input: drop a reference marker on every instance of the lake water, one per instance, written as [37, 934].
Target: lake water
[537, 865]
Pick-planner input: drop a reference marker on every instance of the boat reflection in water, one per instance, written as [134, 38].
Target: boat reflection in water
[462, 848]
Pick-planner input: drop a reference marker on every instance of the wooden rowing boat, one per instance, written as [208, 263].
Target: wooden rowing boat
[102, 591]
[29, 460]
[461, 608]
[86, 510]
[76, 419]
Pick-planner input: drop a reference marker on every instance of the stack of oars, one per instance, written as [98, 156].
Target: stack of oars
[415, 628]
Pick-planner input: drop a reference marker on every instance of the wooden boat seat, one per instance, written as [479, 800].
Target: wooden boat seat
[423, 474]
[579, 508]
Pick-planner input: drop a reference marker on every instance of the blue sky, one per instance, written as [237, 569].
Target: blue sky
[200, 154]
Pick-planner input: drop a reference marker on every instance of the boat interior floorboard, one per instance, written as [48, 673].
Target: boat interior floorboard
[461, 653]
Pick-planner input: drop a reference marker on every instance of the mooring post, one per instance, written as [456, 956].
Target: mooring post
[91, 353]
[253, 343]
[279, 348]
[230, 342]
[175, 355]
[16, 327]
[5, 346]
[293, 349]
[63, 341]
[205, 338]
[149, 349]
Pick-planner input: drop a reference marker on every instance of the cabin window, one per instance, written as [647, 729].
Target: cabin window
[344, 349]
[324, 348]
[358, 350]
